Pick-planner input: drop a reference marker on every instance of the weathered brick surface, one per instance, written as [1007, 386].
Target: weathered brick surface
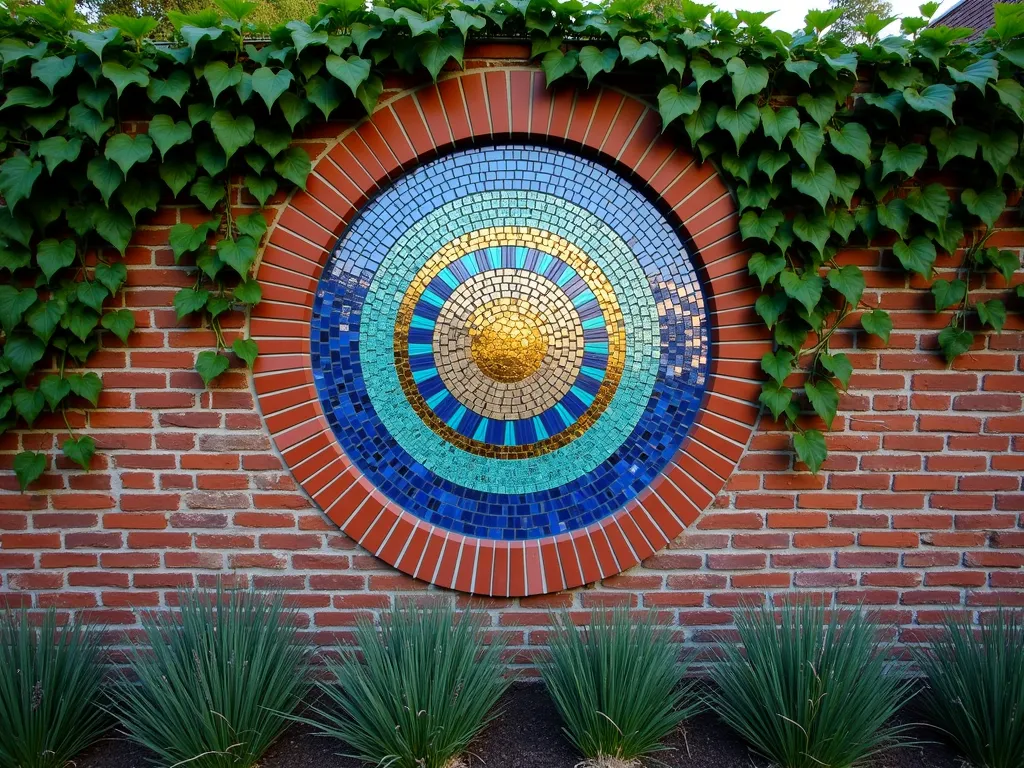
[919, 508]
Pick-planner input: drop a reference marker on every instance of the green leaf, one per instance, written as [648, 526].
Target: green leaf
[848, 281]
[96, 41]
[363, 34]
[877, 323]
[895, 215]
[246, 349]
[116, 227]
[13, 305]
[54, 388]
[56, 150]
[220, 76]
[958, 142]
[838, 365]
[44, 317]
[997, 149]
[977, 73]
[766, 267]
[824, 399]
[596, 60]
[88, 121]
[208, 191]
[954, 342]
[891, 102]
[467, 21]
[802, 69]
[369, 93]
[1011, 94]
[352, 71]
[908, 159]
[294, 165]
[948, 294]
[105, 175]
[126, 150]
[852, 140]
[992, 313]
[633, 50]
[231, 132]
[1007, 262]
[122, 76]
[776, 398]
[18, 175]
[821, 108]
[252, 224]
[174, 87]
[28, 467]
[898, 77]
[739, 122]
[22, 351]
[324, 94]
[79, 450]
[137, 194]
[812, 229]
[52, 69]
[166, 133]
[249, 292]
[557, 64]
[53, 255]
[673, 102]
[760, 226]
[87, 386]
[847, 61]
[270, 85]
[436, 51]
[817, 182]
[771, 307]
[810, 448]
[808, 141]
[705, 72]
[238, 254]
[92, 295]
[189, 300]
[805, 288]
[931, 203]
[701, 122]
[777, 124]
[211, 364]
[916, 256]
[27, 96]
[987, 206]
[120, 323]
[28, 403]
[185, 238]
[778, 364]
[261, 188]
[791, 333]
[672, 58]
[746, 81]
[935, 98]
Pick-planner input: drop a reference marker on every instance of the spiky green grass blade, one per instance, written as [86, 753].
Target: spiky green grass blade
[975, 688]
[218, 681]
[426, 685]
[50, 678]
[617, 684]
[810, 692]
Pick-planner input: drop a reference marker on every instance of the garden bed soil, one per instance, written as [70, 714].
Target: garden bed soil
[528, 735]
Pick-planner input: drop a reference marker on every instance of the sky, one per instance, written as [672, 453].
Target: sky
[790, 13]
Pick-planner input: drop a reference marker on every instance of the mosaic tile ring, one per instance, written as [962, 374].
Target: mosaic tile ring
[513, 381]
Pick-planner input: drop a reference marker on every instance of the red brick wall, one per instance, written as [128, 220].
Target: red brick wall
[919, 508]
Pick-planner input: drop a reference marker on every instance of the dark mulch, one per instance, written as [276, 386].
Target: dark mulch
[528, 735]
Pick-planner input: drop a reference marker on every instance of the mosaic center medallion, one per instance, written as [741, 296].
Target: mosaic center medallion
[510, 342]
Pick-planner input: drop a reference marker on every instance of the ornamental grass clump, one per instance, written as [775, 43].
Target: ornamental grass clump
[618, 686]
[218, 681]
[420, 689]
[810, 691]
[975, 688]
[50, 689]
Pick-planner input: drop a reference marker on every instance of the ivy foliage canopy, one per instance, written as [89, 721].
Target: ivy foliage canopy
[825, 144]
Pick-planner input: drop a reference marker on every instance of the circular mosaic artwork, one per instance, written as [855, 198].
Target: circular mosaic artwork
[510, 342]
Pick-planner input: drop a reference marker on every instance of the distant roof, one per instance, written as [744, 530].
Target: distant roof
[979, 15]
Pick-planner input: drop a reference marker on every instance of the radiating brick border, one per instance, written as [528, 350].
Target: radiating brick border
[479, 108]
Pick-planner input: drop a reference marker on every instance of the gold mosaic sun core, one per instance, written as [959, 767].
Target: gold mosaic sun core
[508, 342]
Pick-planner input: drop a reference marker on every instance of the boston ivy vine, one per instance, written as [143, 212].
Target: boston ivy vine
[825, 144]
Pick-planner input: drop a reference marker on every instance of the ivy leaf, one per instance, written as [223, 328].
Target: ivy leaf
[848, 281]
[208, 191]
[28, 467]
[166, 133]
[746, 81]
[891, 102]
[261, 188]
[116, 227]
[120, 323]
[352, 71]
[672, 59]
[760, 226]
[185, 238]
[961, 141]
[777, 124]
[210, 365]
[821, 108]
[18, 175]
[802, 69]
[189, 300]
[53, 255]
[21, 352]
[992, 313]
[838, 365]
[435, 51]
[52, 69]
[935, 98]
[805, 288]
[273, 141]
[977, 73]
[997, 148]
[673, 102]
[88, 121]
[908, 159]
[930, 203]
[105, 175]
[246, 349]
[80, 450]
[122, 76]
[253, 225]
[174, 87]
[249, 292]
[824, 399]
[137, 194]
[852, 140]
[126, 150]
[954, 342]
[1011, 94]
[633, 50]
[778, 364]
[28, 403]
[324, 94]
[211, 157]
[812, 229]
[916, 256]
[54, 388]
[200, 112]
[27, 96]
[270, 85]
[238, 254]
[231, 132]
[92, 295]
[877, 323]
[771, 307]
[766, 267]
[701, 122]
[948, 294]
[219, 76]
[847, 61]
[705, 72]
[466, 21]
[596, 60]
[739, 122]
[44, 317]
[987, 205]
[369, 93]
[56, 150]
[363, 34]
[776, 398]
[557, 64]
[1007, 262]
[810, 448]
[294, 165]
[817, 182]
[771, 162]
[87, 386]
[808, 141]
[791, 333]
